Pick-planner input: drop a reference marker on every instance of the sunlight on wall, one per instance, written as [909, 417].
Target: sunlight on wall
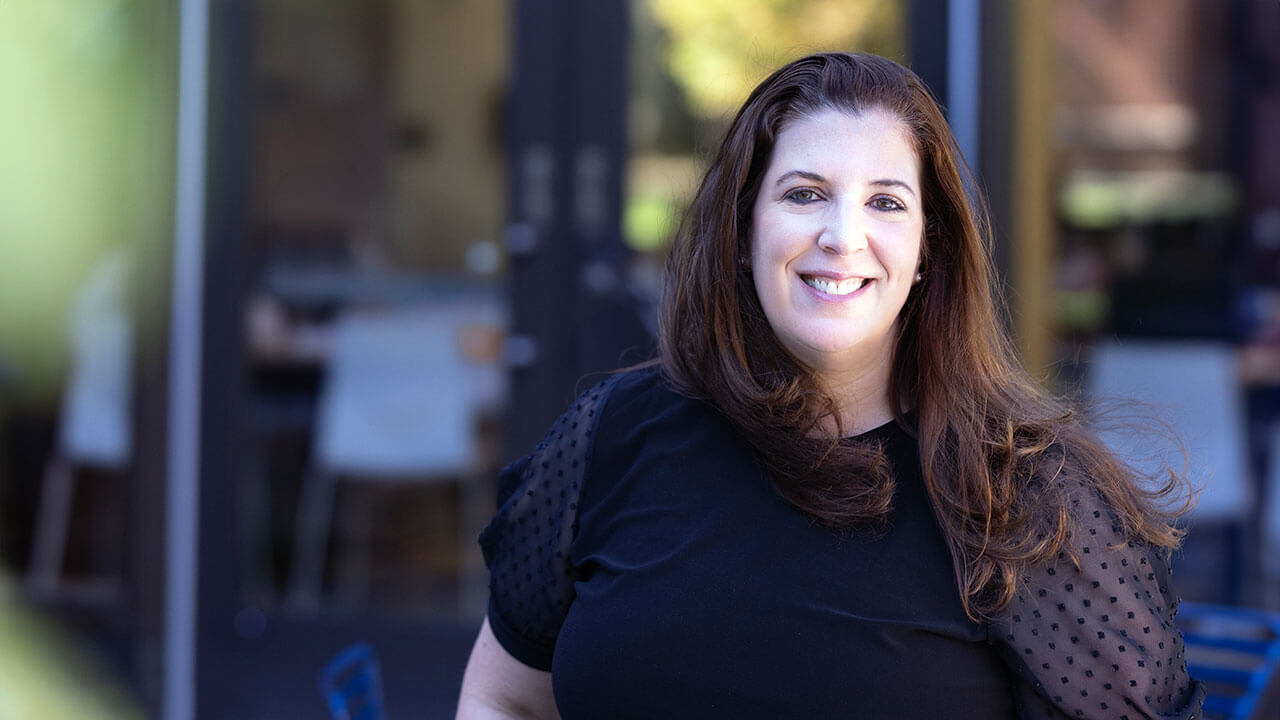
[693, 64]
[720, 49]
[43, 674]
[86, 140]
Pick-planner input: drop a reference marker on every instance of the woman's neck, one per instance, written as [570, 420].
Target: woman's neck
[861, 396]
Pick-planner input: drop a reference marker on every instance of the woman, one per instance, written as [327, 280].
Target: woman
[837, 494]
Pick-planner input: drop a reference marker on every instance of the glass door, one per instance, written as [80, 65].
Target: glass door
[354, 391]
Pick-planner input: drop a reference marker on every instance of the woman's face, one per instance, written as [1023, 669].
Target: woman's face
[835, 237]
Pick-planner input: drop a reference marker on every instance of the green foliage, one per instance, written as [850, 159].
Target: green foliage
[720, 49]
[86, 138]
[45, 674]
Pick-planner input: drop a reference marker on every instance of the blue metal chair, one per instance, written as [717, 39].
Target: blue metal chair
[1236, 653]
[351, 684]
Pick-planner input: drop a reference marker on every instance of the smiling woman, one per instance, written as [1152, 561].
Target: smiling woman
[836, 493]
[835, 247]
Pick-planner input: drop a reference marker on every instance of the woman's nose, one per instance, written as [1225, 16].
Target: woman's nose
[844, 231]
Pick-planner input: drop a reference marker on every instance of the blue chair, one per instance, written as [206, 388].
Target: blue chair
[351, 684]
[1236, 653]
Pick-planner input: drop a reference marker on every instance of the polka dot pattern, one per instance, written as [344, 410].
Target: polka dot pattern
[526, 545]
[1098, 641]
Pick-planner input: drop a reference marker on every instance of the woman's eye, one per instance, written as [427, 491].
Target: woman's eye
[887, 203]
[803, 196]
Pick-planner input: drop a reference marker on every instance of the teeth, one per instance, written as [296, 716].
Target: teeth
[832, 287]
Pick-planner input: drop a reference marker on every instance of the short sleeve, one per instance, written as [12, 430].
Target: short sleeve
[526, 545]
[1098, 641]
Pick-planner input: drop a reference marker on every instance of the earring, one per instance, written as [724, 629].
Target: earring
[744, 263]
[919, 277]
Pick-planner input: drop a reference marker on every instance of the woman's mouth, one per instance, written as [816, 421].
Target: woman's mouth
[827, 286]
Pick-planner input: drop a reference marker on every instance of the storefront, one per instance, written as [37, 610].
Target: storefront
[375, 247]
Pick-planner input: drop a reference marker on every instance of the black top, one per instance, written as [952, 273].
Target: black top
[642, 555]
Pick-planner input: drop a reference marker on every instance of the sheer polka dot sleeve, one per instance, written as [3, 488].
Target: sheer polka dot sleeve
[526, 545]
[1098, 641]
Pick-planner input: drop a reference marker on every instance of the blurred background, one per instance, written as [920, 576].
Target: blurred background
[283, 284]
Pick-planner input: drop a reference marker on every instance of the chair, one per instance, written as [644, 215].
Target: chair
[1193, 387]
[351, 683]
[1271, 522]
[1236, 653]
[397, 406]
[95, 424]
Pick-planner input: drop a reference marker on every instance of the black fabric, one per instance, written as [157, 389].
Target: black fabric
[1098, 640]
[527, 545]
[642, 555]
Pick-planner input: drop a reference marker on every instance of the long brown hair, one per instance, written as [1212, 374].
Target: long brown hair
[995, 449]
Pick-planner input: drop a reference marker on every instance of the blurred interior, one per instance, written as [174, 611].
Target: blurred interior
[425, 224]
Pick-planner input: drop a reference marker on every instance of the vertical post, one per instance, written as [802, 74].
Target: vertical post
[182, 507]
[929, 47]
[607, 319]
[543, 268]
[996, 128]
[1031, 205]
[222, 383]
[571, 315]
[964, 66]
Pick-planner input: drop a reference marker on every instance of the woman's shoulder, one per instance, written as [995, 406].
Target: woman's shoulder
[638, 396]
[646, 382]
[604, 392]
[633, 382]
[617, 401]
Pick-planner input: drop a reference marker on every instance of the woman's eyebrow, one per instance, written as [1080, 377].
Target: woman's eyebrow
[890, 182]
[815, 177]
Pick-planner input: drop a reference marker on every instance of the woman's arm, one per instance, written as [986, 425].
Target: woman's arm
[496, 685]
[1095, 637]
[528, 548]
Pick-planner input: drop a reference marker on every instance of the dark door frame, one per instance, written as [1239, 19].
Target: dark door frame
[566, 137]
